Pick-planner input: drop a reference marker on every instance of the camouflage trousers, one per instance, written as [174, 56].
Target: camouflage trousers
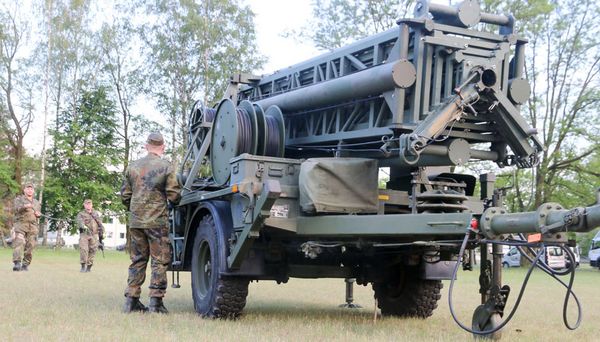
[23, 245]
[148, 243]
[88, 245]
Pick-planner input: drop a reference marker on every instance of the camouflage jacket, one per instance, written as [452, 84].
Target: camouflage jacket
[23, 214]
[89, 223]
[149, 182]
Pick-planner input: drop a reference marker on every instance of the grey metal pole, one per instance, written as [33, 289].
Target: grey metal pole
[375, 80]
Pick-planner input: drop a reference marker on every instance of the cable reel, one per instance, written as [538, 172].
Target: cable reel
[246, 128]
[274, 133]
[200, 117]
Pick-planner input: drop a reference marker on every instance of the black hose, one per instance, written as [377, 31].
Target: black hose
[512, 312]
[554, 274]
[535, 262]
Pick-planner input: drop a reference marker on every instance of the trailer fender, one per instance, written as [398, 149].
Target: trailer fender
[221, 213]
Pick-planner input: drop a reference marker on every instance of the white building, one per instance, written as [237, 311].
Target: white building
[114, 235]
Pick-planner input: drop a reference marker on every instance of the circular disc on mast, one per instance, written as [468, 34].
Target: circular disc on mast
[224, 141]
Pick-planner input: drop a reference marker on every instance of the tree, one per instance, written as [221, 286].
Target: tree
[122, 71]
[336, 23]
[565, 97]
[194, 47]
[563, 67]
[65, 54]
[15, 117]
[72, 55]
[86, 152]
[8, 187]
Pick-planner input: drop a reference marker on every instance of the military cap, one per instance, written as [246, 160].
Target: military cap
[155, 139]
[27, 185]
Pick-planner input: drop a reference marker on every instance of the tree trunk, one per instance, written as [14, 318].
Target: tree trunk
[19, 161]
[126, 152]
[46, 101]
[2, 237]
[59, 229]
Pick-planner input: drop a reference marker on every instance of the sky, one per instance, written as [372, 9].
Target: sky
[274, 17]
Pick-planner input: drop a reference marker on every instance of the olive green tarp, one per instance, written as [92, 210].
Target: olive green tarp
[338, 185]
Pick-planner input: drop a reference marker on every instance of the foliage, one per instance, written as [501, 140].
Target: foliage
[336, 23]
[193, 49]
[82, 162]
[563, 66]
[8, 185]
[16, 85]
[72, 56]
[122, 73]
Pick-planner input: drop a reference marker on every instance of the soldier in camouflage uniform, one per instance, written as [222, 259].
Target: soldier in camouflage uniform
[149, 183]
[27, 211]
[90, 226]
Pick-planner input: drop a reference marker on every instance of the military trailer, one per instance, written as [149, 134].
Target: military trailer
[280, 178]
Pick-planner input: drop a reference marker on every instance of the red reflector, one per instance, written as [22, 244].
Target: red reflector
[474, 224]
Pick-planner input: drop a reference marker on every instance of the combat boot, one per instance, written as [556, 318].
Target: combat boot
[17, 266]
[82, 270]
[133, 304]
[89, 268]
[157, 306]
[25, 267]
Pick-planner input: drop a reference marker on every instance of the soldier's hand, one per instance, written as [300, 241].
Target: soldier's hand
[27, 205]
[37, 214]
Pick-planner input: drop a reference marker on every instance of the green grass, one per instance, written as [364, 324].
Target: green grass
[53, 301]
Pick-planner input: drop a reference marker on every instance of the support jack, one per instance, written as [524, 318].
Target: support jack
[350, 295]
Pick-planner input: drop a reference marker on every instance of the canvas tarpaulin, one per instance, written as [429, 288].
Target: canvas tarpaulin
[338, 185]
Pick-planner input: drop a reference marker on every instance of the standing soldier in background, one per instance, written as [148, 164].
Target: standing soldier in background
[27, 211]
[149, 183]
[90, 226]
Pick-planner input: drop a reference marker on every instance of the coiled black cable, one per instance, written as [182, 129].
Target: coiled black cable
[450, 290]
[272, 147]
[244, 144]
[554, 274]
[534, 263]
[209, 114]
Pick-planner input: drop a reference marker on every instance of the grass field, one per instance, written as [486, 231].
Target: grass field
[53, 301]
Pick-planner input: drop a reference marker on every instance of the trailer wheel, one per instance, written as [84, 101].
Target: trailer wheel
[404, 294]
[214, 296]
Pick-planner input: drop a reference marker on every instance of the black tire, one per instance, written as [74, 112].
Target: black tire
[406, 295]
[505, 265]
[214, 296]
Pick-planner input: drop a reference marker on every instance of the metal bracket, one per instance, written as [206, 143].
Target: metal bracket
[262, 206]
[187, 187]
